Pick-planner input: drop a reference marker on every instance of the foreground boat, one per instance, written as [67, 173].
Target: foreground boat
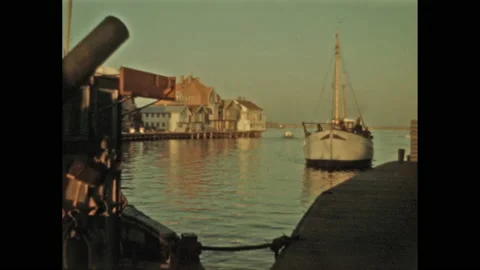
[99, 229]
[341, 143]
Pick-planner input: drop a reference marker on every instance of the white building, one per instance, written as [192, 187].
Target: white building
[248, 115]
[165, 118]
[200, 120]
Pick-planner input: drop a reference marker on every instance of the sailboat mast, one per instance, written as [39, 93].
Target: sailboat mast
[337, 76]
[66, 43]
[344, 106]
[344, 101]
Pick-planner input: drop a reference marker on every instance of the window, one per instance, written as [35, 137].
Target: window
[146, 114]
[158, 124]
[163, 124]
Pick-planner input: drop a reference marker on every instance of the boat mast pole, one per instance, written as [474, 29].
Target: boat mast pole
[337, 75]
[344, 102]
[66, 41]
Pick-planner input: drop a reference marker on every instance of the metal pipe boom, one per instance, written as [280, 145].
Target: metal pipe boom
[82, 61]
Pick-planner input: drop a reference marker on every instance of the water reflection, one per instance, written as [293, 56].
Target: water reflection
[317, 181]
[189, 174]
[246, 157]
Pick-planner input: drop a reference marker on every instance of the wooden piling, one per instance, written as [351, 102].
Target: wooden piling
[401, 155]
[152, 136]
[414, 140]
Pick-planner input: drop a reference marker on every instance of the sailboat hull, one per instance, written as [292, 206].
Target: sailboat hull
[338, 150]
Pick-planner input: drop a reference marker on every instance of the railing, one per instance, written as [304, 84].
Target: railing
[414, 140]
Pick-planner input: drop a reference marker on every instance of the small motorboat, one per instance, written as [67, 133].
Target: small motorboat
[288, 135]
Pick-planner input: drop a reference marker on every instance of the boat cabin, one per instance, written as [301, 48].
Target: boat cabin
[344, 124]
[349, 125]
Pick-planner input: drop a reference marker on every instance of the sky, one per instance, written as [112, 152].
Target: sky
[274, 53]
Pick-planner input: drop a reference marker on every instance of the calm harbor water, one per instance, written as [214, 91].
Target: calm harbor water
[233, 192]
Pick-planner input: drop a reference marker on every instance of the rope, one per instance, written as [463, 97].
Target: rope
[141, 108]
[72, 225]
[237, 248]
[323, 86]
[276, 245]
[351, 89]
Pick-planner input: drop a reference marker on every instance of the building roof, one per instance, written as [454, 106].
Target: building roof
[163, 109]
[166, 102]
[196, 108]
[248, 104]
[228, 103]
[107, 71]
[190, 91]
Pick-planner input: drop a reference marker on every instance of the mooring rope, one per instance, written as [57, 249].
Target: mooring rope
[276, 245]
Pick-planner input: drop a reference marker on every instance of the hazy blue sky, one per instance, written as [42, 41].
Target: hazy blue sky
[275, 53]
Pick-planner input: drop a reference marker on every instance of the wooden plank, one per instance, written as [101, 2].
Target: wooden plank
[143, 84]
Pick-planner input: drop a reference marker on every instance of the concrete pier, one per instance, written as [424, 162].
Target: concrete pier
[368, 222]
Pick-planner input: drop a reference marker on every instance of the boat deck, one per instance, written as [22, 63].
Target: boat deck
[368, 222]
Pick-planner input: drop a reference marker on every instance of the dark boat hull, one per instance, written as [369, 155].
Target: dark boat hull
[144, 242]
[336, 165]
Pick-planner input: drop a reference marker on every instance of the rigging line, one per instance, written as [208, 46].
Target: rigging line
[349, 84]
[323, 86]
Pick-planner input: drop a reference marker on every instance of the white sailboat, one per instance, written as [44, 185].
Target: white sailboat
[340, 143]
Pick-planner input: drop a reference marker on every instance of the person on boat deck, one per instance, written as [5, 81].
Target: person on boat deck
[357, 129]
[367, 133]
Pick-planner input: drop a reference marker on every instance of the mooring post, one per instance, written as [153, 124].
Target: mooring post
[186, 253]
[401, 155]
